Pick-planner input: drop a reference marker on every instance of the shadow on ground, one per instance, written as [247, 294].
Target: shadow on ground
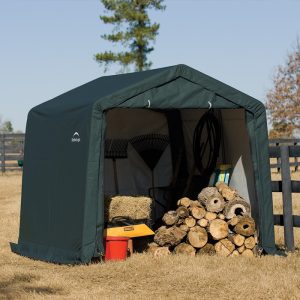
[25, 283]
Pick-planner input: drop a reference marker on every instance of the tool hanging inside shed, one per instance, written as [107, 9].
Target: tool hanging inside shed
[206, 147]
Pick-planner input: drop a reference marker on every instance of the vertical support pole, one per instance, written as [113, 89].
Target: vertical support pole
[287, 199]
[296, 160]
[278, 160]
[3, 152]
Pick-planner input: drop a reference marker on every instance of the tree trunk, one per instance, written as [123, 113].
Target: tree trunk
[169, 236]
[241, 249]
[211, 199]
[235, 253]
[182, 212]
[248, 253]
[184, 227]
[218, 229]
[250, 242]
[221, 216]
[202, 222]
[180, 221]
[194, 203]
[233, 221]
[161, 252]
[245, 226]
[185, 201]
[210, 216]
[197, 237]
[227, 192]
[170, 218]
[184, 248]
[152, 247]
[224, 247]
[237, 239]
[190, 221]
[208, 249]
[197, 212]
[236, 207]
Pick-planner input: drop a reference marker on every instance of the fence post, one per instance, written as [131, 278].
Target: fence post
[278, 159]
[287, 198]
[3, 152]
[296, 160]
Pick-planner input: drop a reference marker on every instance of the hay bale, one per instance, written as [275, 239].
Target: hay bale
[134, 207]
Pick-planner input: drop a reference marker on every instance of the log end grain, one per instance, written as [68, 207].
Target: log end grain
[184, 248]
[218, 229]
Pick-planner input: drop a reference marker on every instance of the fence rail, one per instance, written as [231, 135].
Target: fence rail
[283, 151]
[11, 151]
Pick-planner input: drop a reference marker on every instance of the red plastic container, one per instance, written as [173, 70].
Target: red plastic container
[115, 247]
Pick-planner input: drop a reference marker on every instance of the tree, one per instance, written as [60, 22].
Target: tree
[132, 29]
[283, 100]
[6, 127]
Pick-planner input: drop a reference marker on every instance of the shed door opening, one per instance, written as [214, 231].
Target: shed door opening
[150, 152]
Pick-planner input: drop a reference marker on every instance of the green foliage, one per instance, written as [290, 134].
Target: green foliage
[132, 29]
[6, 127]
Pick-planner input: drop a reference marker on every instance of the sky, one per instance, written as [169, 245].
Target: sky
[47, 46]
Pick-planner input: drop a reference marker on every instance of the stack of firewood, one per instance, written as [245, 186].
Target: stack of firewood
[218, 222]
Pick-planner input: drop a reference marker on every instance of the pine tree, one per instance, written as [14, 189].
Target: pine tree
[132, 29]
[283, 100]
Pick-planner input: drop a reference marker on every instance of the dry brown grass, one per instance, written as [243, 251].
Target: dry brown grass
[141, 276]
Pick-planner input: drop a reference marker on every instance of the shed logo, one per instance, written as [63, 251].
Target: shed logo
[75, 137]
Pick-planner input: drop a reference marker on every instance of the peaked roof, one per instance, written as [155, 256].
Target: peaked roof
[124, 84]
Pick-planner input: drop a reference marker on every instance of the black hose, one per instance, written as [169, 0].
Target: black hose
[206, 158]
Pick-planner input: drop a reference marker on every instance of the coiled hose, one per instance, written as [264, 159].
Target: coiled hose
[206, 148]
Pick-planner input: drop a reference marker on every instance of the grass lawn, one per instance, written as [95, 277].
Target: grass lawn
[143, 276]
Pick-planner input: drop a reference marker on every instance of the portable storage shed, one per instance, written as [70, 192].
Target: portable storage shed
[66, 173]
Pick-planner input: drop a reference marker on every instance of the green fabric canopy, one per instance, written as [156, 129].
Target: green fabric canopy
[62, 215]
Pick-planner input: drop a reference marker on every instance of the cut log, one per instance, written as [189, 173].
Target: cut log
[185, 201]
[245, 226]
[202, 222]
[248, 253]
[221, 216]
[152, 247]
[161, 252]
[197, 237]
[250, 242]
[218, 229]
[235, 208]
[190, 221]
[233, 221]
[170, 218]
[194, 203]
[235, 253]
[182, 212]
[197, 212]
[210, 216]
[237, 239]
[241, 249]
[180, 221]
[184, 227]
[208, 249]
[227, 192]
[224, 247]
[211, 199]
[184, 248]
[171, 236]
